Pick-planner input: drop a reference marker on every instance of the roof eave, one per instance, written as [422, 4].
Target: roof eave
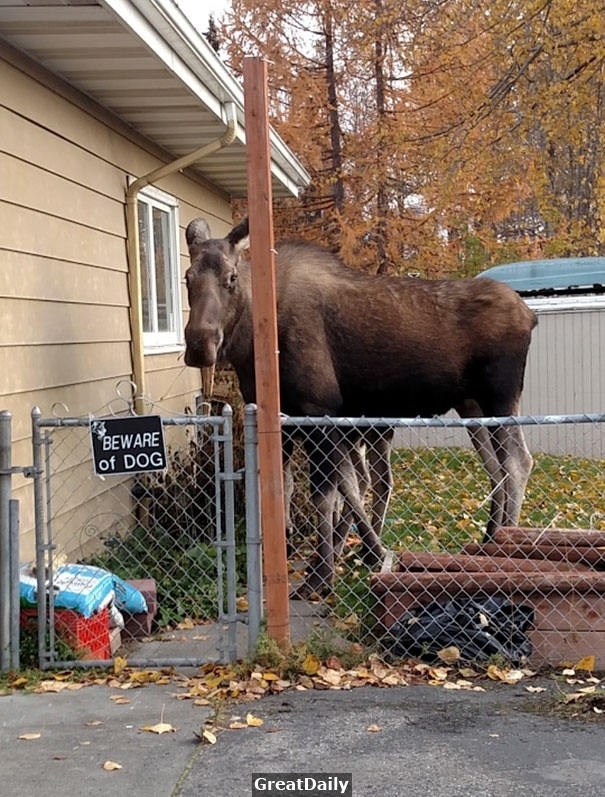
[168, 32]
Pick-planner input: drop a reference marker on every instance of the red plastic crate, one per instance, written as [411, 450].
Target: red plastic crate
[87, 637]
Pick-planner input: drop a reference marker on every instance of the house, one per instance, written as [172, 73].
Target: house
[118, 125]
[566, 364]
[565, 372]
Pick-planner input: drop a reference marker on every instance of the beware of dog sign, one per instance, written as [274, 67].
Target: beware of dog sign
[127, 445]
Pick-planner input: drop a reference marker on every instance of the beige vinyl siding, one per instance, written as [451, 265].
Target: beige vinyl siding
[566, 363]
[566, 376]
[64, 298]
[63, 176]
[61, 323]
[48, 279]
[59, 365]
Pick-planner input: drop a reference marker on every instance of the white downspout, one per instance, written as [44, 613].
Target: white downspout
[133, 243]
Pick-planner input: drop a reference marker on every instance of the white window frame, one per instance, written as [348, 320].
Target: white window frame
[156, 341]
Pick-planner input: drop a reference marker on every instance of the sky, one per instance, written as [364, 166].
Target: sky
[198, 11]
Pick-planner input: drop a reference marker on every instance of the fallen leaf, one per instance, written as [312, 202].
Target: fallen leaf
[535, 689]
[186, 625]
[568, 671]
[28, 737]
[332, 677]
[438, 673]
[93, 723]
[208, 737]
[373, 728]
[311, 664]
[63, 675]
[235, 726]
[59, 757]
[449, 655]
[586, 664]
[145, 676]
[110, 766]
[119, 700]
[597, 710]
[282, 684]
[242, 604]
[119, 665]
[506, 676]
[51, 686]
[254, 722]
[160, 728]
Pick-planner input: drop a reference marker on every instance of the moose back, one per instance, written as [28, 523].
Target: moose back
[354, 344]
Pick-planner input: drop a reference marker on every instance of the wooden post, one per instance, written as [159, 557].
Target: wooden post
[266, 355]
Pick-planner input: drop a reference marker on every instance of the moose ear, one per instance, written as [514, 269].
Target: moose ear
[196, 233]
[239, 237]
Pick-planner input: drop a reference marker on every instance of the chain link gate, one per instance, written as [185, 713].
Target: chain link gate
[440, 582]
[181, 530]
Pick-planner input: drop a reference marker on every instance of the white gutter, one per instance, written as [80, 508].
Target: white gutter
[133, 243]
[186, 41]
[163, 27]
[557, 304]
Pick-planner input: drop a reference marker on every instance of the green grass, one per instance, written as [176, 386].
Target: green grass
[185, 571]
[440, 502]
[441, 497]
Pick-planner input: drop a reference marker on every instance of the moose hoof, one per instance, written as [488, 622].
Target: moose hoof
[373, 557]
[314, 587]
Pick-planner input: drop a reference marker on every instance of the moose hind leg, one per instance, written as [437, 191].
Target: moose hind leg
[359, 484]
[288, 496]
[379, 444]
[486, 444]
[372, 551]
[517, 463]
[484, 441]
[321, 446]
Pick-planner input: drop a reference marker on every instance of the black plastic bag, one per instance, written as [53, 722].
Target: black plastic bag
[478, 627]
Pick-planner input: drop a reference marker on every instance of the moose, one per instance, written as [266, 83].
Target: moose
[353, 344]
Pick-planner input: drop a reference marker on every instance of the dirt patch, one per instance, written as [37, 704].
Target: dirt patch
[566, 704]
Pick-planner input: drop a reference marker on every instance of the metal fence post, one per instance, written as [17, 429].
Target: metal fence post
[253, 526]
[230, 531]
[15, 605]
[5, 558]
[38, 471]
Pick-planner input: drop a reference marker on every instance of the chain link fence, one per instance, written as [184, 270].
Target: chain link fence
[387, 541]
[533, 591]
[173, 541]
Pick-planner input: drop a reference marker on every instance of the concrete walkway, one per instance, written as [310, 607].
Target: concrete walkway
[431, 742]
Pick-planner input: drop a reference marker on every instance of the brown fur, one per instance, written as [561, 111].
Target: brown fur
[352, 344]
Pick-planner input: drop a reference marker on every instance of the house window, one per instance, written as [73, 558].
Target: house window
[160, 276]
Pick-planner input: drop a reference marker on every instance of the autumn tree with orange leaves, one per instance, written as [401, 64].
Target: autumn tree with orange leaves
[442, 136]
